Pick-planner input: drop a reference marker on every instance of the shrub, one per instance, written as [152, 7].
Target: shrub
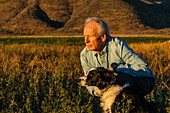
[43, 78]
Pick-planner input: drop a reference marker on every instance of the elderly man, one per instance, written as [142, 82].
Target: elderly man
[102, 50]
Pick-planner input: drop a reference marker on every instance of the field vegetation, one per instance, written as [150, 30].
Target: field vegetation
[41, 75]
[78, 41]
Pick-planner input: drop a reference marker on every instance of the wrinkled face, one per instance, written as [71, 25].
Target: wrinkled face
[93, 40]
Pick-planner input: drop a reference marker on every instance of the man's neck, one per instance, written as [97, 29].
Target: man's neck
[102, 47]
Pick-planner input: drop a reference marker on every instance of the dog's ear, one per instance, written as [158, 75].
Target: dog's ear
[100, 72]
[109, 74]
[101, 69]
[106, 73]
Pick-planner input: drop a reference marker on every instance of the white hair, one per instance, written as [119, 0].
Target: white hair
[101, 25]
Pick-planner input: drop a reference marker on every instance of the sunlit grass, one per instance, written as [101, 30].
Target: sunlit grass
[77, 41]
[43, 77]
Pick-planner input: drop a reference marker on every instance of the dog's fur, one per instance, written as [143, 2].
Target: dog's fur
[113, 90]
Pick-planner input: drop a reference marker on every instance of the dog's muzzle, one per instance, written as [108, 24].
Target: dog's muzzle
[82, 81]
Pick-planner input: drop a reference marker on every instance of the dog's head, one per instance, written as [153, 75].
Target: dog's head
[99, 77]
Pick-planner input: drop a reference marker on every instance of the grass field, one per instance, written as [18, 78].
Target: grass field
[78, 41]
[40, 75]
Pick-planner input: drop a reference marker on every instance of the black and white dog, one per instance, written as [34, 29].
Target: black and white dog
[115, 93]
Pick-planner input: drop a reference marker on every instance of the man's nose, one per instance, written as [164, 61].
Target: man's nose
[86, 40]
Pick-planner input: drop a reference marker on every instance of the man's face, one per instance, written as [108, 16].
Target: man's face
[93, 40]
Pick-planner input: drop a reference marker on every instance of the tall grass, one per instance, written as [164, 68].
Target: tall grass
[158, 57]
[78, 41]
[43, 78]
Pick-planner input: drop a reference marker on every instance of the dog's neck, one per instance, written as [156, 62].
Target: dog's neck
[100, 92]
[111, 82]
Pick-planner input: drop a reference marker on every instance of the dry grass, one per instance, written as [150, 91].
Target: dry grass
[42, 78]
[157, 56]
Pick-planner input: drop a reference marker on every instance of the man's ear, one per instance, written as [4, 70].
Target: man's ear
[104, 37]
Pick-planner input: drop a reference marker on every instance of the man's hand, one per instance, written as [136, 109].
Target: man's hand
[113, 67]
[110, 69]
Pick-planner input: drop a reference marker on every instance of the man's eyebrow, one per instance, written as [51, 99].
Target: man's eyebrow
[86, 35]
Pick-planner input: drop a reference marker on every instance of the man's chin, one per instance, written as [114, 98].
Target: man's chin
[90, 49]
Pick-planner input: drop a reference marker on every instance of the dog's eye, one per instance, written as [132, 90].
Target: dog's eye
[90, 74]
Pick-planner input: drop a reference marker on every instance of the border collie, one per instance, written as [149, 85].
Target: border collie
[115, 94]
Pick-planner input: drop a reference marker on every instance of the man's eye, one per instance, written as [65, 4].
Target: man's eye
[91, 36]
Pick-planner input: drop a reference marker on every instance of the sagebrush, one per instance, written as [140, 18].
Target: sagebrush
[43, 78]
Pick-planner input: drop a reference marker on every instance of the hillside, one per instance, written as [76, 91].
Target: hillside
[52, 17]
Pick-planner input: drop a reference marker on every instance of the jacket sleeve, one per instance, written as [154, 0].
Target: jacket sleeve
[132, 64]
[86, 67]
[84, 64]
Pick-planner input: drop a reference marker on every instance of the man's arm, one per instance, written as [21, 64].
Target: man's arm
[132, 64]
[86, 67]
